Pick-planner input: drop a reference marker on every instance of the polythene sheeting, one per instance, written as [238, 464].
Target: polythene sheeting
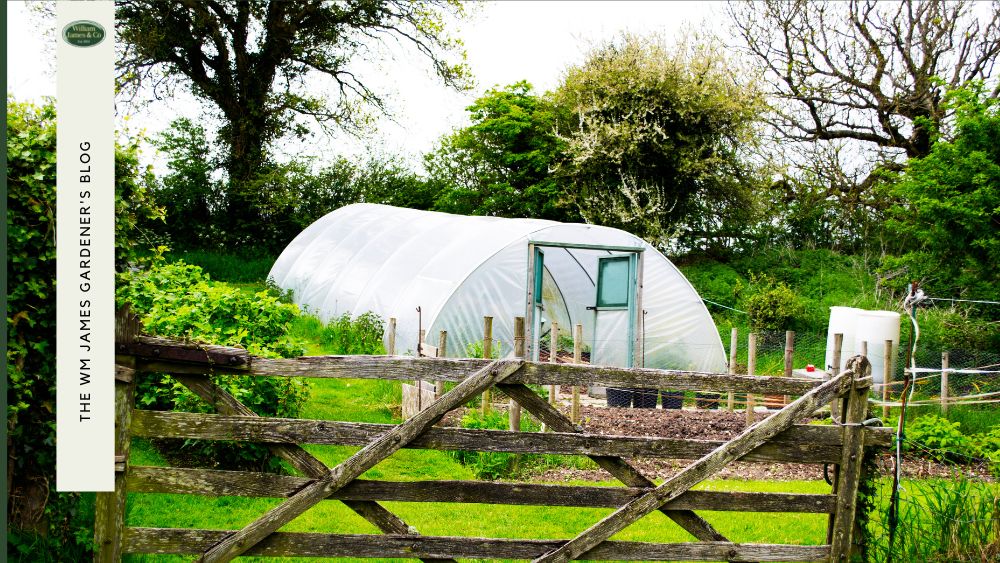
[457, 269]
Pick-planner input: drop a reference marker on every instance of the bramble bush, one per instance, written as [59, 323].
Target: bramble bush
[179, 300]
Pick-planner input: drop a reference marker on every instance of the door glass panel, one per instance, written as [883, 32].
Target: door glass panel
[613, 282]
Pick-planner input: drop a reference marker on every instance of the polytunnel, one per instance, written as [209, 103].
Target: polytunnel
[635, 306]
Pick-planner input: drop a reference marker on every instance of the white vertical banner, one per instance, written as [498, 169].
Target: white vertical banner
[85, 246]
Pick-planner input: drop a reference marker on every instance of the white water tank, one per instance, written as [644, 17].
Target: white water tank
[843, 320]
[875, 327]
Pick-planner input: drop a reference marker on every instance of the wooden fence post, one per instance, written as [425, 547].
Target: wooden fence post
[577, 359]
[733, 344]
[789, 351]
[514, 408]
[442, 353]
[751, 370]
[944, 382]
[553, 352]
[886, 378]
[849, 474]
[109, 507]
[487, 352]
[838, 347]
[391, 348]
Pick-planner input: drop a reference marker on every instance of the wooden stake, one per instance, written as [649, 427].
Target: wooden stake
[751, 370]
[577, 359]
[487, 351]
[944, 382]
[553, 353]
[838, 348]
[849, 474]
[733, 345]
[391, 348]
[442, 353]
[514, 408]
[789, 351]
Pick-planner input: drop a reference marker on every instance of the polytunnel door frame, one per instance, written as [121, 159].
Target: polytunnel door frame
[534, 307]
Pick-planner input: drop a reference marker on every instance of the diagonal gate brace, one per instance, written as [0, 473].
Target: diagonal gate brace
[702, 469]
[616, 466]
[299, 458]
[385, 445]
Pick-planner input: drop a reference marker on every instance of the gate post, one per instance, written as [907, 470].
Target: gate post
[109, 507]
[849, 475]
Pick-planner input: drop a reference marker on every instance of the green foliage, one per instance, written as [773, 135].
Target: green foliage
[475, 349]
[940, 520]
[949, 214]
[770, 304]
[242, 267]
[943, 440]
[45, 524]
[501, 164]
[497, 465]
[179, 300]
[656, 141]
[360, 335]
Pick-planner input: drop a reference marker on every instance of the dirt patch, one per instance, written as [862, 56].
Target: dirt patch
[706, 425]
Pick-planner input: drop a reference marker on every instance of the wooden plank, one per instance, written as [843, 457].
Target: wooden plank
[109, 507]
[285, 544]
[801, 443]
[124, 374]
[456, 370]
[415, 396]
[213, 482]
[850, 467]
[297, 457]
[348, 470]
[197, 353]
[700, 470]
[616, 466]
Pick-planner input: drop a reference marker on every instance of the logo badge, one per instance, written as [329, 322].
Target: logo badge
[83, 33]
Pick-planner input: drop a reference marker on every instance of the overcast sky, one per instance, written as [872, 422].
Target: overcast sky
[506, 42]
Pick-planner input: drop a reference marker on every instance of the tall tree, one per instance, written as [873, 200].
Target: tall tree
[656, 142]
[867, 71]
[949, 210]
[502, 163]
[259, 63]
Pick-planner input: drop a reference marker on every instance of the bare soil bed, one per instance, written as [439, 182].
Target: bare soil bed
[704, 425]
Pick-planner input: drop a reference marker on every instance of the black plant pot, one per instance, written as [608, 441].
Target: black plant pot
[619, 398]
[645, 398]
[672, 399]
[707, 400]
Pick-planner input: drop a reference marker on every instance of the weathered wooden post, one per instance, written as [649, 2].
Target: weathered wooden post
[751, 370]
[577, 359]
[733, 344]
[789, 351]
[391, 346]
[442, 353]
[886, 378]
[789, 358]
[109, 508]
[849, 474]
[487, 352]
[514, 408]
[944, 382]
[553, 352]
[838, 347]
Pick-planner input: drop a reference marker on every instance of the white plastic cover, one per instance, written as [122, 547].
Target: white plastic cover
[458, 269]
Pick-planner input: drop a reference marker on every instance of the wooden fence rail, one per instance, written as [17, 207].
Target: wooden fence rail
[775, 439]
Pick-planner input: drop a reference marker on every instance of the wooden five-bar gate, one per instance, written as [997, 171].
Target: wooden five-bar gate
[775, 439]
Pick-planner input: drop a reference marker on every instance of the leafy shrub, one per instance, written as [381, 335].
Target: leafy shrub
[770, 304]
[475, 349]
[360, 335]
[492, 465]
[943, 439]
[179, 300]
[46, 524]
